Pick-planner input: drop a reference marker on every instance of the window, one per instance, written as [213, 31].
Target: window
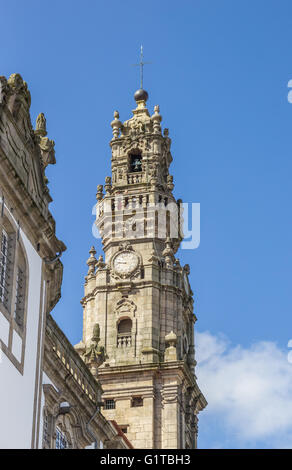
[4, 269]
[13, 291]
[124, 429]
[19, 297]
[110, 404]
[137, 401]
[45, 428]
[47, 420]
[124, 338]
[61, 440]
[135, 162]
[125, 326]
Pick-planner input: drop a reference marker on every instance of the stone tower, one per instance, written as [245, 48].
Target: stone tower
[138, 334]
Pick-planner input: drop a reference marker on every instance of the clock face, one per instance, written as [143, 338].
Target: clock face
[125, 263]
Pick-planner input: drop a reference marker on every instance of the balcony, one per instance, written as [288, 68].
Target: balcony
[124, 340]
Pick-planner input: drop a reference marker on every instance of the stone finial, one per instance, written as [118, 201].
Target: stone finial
[94, 354]
[170, 351]
[100, 263]
[171, 339]
[99, 193]
[156, 119]
[41, 125]
[96, 334]
[153, 257]
[116, 125]
[108, 184]
[177, 264]
[167, 139]
[19, 87]
[47, 148]
[91, 262]
[187, 268]
[170, 184]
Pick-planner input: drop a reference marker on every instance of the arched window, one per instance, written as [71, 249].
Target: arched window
[135, 162]
[125, 326]
[124, 333]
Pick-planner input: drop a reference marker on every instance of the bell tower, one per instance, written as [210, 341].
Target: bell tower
[138, 334]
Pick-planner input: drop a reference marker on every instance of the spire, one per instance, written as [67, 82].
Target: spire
[141, 94]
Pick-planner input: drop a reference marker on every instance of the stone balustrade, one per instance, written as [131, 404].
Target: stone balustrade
[124, 340]
[71, 361]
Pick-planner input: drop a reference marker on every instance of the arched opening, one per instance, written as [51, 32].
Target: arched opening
[124, 333]
[135, 162]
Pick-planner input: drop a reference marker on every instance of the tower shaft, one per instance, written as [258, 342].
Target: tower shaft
[139, 295]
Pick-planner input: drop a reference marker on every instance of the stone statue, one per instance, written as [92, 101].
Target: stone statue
[41, 125]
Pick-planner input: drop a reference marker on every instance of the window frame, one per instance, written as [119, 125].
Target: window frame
[9, 226]
[132, 155]
[106, 403]
[63, 437]
[137, 402]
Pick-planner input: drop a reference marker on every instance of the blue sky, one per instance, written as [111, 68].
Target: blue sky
[219, 72]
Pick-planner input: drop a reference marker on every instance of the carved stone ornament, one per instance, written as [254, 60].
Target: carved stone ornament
[41, 125]
[94, 353]
[91, 262]
[47, 151]
[125, 307]
[129, 144]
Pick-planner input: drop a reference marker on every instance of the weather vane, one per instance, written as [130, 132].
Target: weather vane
[141, 65]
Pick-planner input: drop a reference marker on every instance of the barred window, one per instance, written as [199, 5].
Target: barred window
[110, 404]
[7, 260]
[47, 425]
[4, 269]
[13, 290]
[20, 286]
[45, 429]
[61, 440]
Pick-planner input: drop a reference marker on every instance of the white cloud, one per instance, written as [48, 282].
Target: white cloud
[250, 389]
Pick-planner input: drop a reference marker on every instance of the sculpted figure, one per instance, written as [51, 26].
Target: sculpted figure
[41, 124]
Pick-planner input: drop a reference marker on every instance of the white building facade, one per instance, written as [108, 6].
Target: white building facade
[48, 397]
